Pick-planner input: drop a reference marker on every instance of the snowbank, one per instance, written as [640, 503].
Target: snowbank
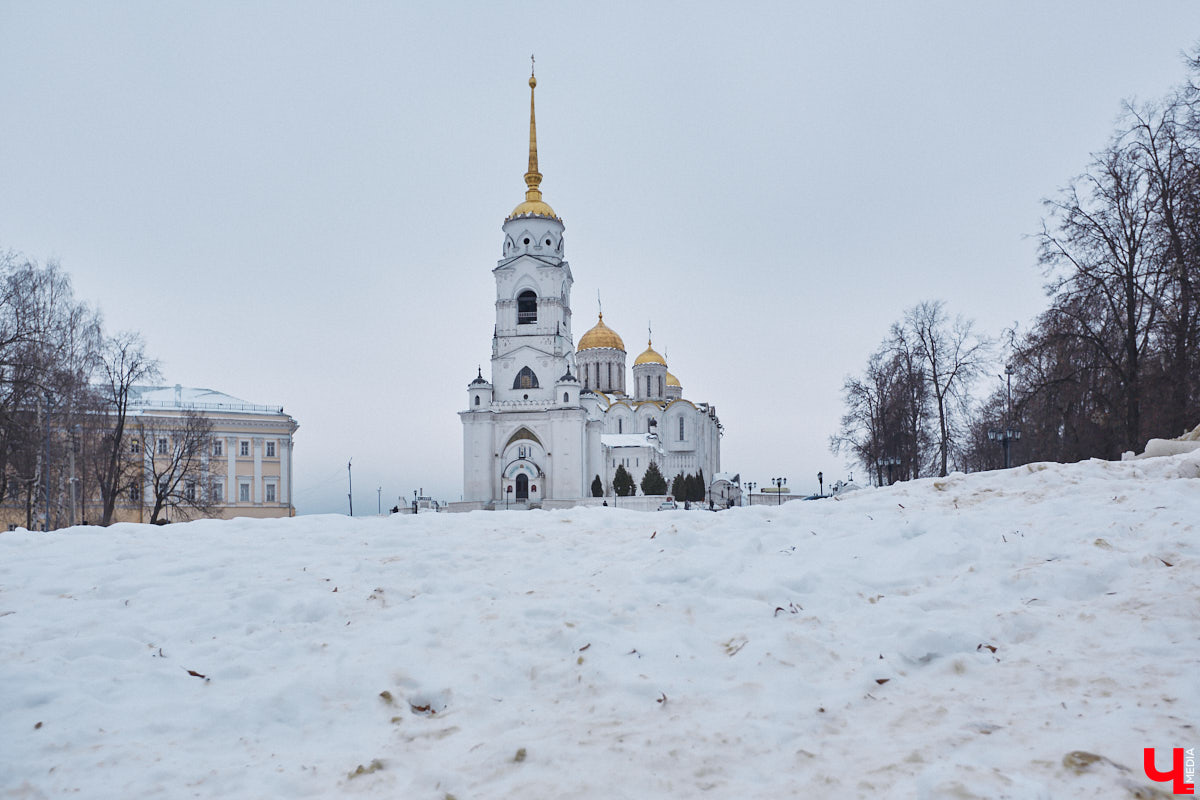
[959, 637]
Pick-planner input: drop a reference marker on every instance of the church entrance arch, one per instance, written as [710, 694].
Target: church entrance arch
[522, 486]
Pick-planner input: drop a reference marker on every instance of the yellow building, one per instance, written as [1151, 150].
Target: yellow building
[235, 460]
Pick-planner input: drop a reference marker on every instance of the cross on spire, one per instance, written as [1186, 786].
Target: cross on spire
[531, 64]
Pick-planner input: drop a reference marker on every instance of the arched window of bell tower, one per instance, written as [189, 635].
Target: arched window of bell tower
[526, 379]
[526, 307]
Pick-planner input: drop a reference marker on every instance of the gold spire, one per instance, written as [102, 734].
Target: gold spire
[533, 204]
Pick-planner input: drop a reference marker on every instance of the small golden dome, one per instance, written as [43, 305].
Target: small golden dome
[601, 336]
[649, 357]
[672, 380]
[537, 208]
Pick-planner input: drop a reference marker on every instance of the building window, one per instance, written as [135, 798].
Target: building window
[526, 308]
[218, 492]
[681, 429]
[610, 377]
[526, 379]
[660, 385]
[245, 449]
[218, 447]
[270, 449]
[620, 425]
[476, 399]
[270, 487]
[647, 386]
[162, 447]
[135, 446]
[189, 490]
[135, 493]
[566, 397]
[243, 493]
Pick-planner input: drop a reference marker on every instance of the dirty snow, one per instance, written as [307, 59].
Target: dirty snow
[1017, 634]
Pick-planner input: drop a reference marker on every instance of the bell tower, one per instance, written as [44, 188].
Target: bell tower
[525, 429]
[532, 346]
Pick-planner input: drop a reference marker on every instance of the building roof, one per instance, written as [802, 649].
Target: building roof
[190, 397]
[672, 380]
[628, 440]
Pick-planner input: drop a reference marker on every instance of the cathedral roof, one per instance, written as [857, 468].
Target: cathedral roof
[650, 356]
[672, 380]
[533, 206]
[479, 379]
[601, 336]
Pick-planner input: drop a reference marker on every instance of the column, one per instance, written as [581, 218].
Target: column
[231, 485]
[256, 490]
[285, 470]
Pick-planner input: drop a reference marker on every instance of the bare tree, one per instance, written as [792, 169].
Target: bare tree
[953, 355]
[122, 364]
[863, 427]
[48, 343]
[174, 457]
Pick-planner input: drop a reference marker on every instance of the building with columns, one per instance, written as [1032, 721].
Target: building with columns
[238, 463]
[551, 418]
[247, 467]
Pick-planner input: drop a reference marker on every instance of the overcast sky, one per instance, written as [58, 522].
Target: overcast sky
[301, 204]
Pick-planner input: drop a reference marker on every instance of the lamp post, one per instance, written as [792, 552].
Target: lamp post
[750, 492]
[1011, 433]
[779, 484]
[1006, 437]
[507, 495]
[889, 462]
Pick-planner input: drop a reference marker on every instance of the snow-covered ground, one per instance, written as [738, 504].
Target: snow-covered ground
[961, 637]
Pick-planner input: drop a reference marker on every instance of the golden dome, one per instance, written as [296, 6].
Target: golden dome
[649, 357]
[537, 208]
[601, 336]
[672, 380]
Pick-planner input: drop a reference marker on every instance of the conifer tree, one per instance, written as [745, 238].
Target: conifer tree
[623, 483]
[653, 481]
[678, 487]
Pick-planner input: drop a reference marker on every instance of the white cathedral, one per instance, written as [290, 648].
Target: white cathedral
[553, 418]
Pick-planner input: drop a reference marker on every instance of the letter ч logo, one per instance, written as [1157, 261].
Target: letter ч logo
[1177, 773]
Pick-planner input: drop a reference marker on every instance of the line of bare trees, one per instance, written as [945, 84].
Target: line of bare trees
[1111, 362]
[70, 450]
[905, 415]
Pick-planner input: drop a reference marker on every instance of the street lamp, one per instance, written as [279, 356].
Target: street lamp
[779, 484]
[889, 462]
[750, 492]
[507, 494]
[1011, 432]
[820, 484]
[1006, 437]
